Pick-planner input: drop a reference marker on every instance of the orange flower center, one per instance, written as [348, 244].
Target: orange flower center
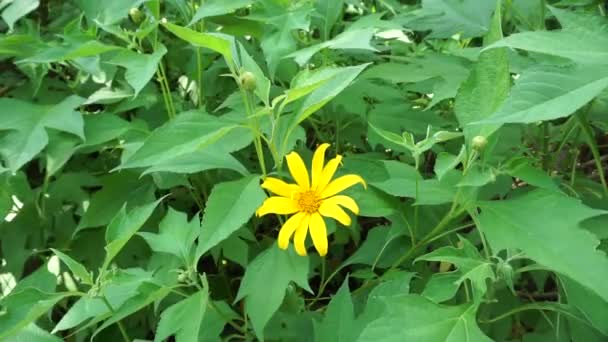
[308, 201]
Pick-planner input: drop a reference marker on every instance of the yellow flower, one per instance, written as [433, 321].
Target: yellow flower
[310, 199]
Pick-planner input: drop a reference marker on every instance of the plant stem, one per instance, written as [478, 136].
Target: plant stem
[121, 327]
[166, 91]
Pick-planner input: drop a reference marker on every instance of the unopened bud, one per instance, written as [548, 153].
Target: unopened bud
[479, 142]
[136, 15]
[248, 81]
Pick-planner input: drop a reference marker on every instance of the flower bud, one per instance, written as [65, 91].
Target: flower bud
[136, 15]
[248, 81]
[479, 142]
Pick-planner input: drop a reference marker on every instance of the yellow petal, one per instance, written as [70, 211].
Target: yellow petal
[300, 238]
[278, 205]
[318, 159]
[334, 211]
[279, 187]
[328, 172]
[345, 201]
[288, 229]
[318, 232]
[341, 184]
[298, 170]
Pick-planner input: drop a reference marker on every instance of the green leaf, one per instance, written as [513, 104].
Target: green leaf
[415, 318]
[198, 161]
[186, 134]
[148, 293]
[585, 47]
[140, 67]
[27, 136]
[355, 39]
[445, 18]
[17, 10]
[486, 88]
[229, 207]
[123, 226]
[176, 235]
[77, 268]
[266, 280]
[23, 308]
[71, 50]
[220, 43]
[470, 264]
[530, 224]
[109, 11]
[329, 14]
[262, 89]
[337, 325]
[33, 333]
[212, 8]
[442, 287]
[589, 303]
[546, 93]
[183, 319]
[322, 95]
[117, 189]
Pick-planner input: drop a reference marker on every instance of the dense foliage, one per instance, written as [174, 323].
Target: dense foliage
[139, 138]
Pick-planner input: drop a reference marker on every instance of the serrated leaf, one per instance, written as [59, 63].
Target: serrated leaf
[262, 89]
[188, 133]
[445, 18]
[176, 235]
[33, 333]
[329, 13]
[77, 268]
[123, 226]
[140, 67]
[415, 318]
[337, 324]
[547, 93]
[530, 224]
[198, 161]
[265, 282]
[183, 319]
[109, 11]
[229, 207]
[27, 135]
[442, 286]
[469, 262]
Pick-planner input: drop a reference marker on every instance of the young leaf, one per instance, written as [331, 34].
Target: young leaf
[183, 319]
[123, 227]
[140, 67]
[220, 43]
[266, 280]
[470, 264]
[176, 235]
[413, 317]
[27, 135]
[229, 207]
[329, 13]
[77, 268]
[530, 224]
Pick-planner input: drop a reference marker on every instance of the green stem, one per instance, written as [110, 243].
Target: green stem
[166, 90]
[121, 327]
[255, 128]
